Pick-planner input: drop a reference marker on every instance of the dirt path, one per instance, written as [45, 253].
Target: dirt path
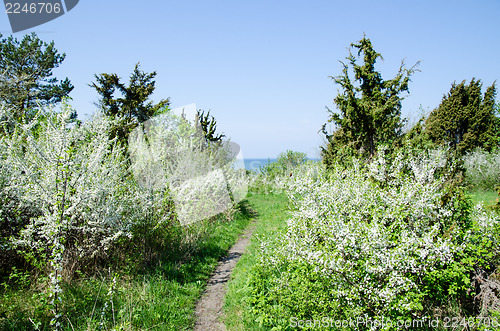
[209, 308]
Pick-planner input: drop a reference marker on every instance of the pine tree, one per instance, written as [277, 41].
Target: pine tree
[26, 80]
[370, 107]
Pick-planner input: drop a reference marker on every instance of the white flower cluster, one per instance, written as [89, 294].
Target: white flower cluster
[78, 186]
[204, 179]
[72, 179]
[372, 233]
[482, 169]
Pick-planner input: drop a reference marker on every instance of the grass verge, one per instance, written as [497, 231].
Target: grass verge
[486, 197]
[271, 210]
[161, 297]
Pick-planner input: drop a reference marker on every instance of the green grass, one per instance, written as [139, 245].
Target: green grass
[160, 297]
[486, 197]
[271, 212]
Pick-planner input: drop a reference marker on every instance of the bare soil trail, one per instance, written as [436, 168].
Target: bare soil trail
[209, 308]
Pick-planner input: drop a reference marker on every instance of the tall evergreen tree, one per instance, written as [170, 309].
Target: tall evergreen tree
[370, 107]
[26, 80]
[465, 119]
[133, 107]
[207, 124]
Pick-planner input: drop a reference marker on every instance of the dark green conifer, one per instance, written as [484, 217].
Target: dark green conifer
[370, 107]
[133, 106]
[465, 119]
[26, 81]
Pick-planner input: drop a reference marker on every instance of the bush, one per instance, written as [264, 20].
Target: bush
[268, 178]
[203, 180]
[73, 202]
[72, 183]
[392, 241]
[482, 169]
[465, 118]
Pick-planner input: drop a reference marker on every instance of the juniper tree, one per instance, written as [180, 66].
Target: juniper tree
[369, 106]
[465, 119]
[207, 126]
[133, 107]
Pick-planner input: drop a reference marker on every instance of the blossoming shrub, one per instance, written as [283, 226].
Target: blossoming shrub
[482, 169]
[14, 214]
[72, 179]
[389, 241]
[73, 202]
[270, 176]
[67, 185]
[203, 178]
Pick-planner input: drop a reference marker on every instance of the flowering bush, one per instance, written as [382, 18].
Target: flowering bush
[390, 241]
[272, 174]
[73, 179]
[202, 178]
[72, 200]
[482, 169]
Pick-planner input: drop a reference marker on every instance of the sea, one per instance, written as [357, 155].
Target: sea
[256, 164]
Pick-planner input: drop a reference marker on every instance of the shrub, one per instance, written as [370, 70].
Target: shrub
[465, 119]
[391, 241]
[73, 200]
[271, 174]
[203, 180]
[369, 107]
[482, 169]
[73, 180]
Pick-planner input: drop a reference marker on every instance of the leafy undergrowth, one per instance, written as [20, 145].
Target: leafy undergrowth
[393, 242]
[487, 197]
[159, 297]
[271, 210]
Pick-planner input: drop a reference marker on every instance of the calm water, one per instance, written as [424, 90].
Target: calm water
[255, 164]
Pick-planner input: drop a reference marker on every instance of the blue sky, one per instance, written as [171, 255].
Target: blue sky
[263, 67]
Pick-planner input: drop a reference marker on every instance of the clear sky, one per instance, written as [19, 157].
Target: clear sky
[263, 67]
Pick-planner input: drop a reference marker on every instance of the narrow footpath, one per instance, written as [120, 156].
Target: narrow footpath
[209, 309]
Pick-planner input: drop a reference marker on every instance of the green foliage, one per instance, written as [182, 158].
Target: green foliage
[289, 160]
[160, 295]
[392, 240]
[497, 205]
[133, 107]
[285, 163]
[26, 81]
[497, 120]
[370, 111]
[417, 138]
[266, 180]
[290, 290]
[208, 126]
[465, 119]
[271, 210]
